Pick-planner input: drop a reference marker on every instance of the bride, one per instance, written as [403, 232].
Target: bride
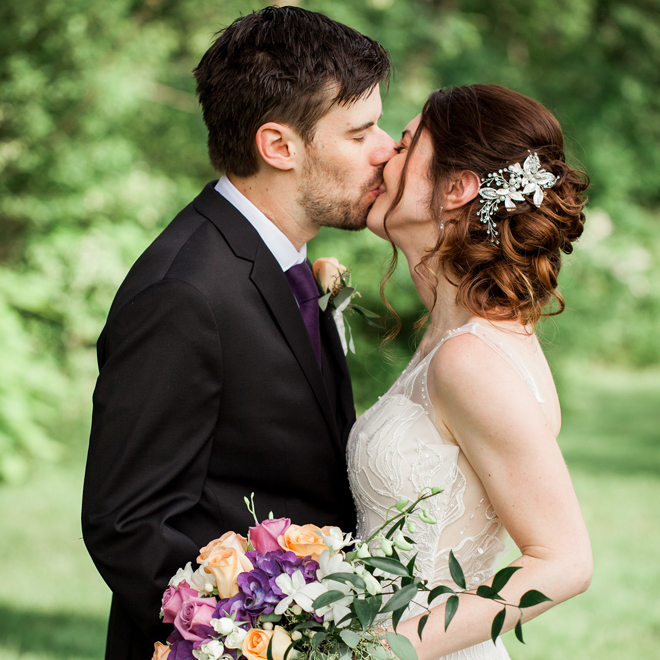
[481, 202]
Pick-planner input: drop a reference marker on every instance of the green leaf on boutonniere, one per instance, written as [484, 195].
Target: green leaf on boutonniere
[342, 296]
[324, 300]
[456, 570]
[533, 597]
[498, 622]
[450, 610]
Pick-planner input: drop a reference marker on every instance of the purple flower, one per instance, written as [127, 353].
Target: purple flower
[181, 650]
[232, 607]
[255, 585]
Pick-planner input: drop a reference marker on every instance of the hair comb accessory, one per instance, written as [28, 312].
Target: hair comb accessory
[526, 179]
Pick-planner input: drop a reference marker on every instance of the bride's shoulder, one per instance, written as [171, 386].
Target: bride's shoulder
[468, 370]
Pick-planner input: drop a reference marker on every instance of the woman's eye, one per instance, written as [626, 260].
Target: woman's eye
[399, 148]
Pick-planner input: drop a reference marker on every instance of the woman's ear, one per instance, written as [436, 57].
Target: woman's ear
[462, 189]
[278, 146]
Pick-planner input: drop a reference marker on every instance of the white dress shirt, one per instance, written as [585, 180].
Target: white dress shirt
[276, 241]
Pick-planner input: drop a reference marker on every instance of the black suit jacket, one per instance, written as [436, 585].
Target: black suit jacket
[209, 389]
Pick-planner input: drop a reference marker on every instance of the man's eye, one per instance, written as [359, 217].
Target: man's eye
[359, 139]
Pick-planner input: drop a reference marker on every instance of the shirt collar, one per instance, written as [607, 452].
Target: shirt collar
[276, 241]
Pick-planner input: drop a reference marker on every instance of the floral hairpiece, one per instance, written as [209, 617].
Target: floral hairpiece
[523, 180]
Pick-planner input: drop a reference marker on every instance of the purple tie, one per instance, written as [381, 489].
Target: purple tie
[302, 283]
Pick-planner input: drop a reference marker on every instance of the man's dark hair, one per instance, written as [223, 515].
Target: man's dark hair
[282, 64]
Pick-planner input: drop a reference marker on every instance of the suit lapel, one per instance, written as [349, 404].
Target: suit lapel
[271, 282]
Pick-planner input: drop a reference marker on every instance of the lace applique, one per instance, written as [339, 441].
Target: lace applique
[395, 450]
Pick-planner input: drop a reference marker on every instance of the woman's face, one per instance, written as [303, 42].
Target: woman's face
[413, 209]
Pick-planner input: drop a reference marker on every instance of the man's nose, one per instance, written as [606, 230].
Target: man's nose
[385, 149]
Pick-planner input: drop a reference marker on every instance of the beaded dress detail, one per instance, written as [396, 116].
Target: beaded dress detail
[395, 450]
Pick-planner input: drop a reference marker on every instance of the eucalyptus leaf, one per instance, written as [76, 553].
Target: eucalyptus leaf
[363, 611]
[351, 638]
[317, 640]
[388, 565]
[342, 296]
[396, 617]
[498, 622]
[533, 597]
[305, 625]
[456, 570]
[503, 576]
[272, 618]
[328, 598]
[401, 646]
[450, 610]
[324, 300]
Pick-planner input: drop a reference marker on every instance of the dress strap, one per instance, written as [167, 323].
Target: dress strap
[477, 330]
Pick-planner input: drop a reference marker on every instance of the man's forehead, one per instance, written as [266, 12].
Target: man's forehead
[353, 116]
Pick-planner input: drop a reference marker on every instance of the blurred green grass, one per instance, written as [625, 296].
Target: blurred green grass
[53, 604]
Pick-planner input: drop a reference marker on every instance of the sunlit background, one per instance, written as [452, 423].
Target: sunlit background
[101, 143]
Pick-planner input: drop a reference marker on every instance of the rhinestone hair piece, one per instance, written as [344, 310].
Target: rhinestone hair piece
[526, 179]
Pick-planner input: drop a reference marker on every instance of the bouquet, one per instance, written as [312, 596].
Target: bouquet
[300, 592]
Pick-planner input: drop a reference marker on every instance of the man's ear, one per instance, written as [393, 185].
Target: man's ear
[279, 146]
[462, 189]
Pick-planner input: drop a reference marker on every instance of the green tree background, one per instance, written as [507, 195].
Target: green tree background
[101, 143]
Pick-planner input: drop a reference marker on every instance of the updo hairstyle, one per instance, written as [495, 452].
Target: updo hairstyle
[485, 128]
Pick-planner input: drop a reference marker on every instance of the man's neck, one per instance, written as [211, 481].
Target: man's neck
[276, 197]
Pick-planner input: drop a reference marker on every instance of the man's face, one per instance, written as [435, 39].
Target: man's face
[343, 167]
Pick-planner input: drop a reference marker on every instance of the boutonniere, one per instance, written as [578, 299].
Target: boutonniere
[338, 294]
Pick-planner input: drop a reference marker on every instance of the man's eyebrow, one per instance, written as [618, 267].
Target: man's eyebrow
[364, 127]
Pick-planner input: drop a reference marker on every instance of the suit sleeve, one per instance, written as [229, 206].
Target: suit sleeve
[155, 409]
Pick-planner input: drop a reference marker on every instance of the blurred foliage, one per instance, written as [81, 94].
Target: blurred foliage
[101, 143]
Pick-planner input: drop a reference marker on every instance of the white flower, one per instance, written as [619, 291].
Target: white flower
[181, 575]
[332, 564]
[297, 590]
[235, 639]
[211, 651]
[223, 626]
[336, 540]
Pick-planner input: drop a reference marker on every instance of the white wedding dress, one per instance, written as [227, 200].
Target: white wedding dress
[395, 450]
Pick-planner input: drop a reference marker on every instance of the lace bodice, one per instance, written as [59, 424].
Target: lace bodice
[395, 450]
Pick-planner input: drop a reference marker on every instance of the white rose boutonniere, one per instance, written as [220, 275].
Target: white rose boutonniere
[338, 294]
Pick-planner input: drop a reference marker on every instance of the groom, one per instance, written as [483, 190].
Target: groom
[219, 375]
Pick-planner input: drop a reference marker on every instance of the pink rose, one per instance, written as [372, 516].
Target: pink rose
[173, 599]
[193, 613]
[264, 537]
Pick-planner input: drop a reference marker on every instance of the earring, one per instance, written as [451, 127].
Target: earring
[442, 222]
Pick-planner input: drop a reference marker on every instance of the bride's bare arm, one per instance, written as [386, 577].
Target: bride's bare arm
[501, 428]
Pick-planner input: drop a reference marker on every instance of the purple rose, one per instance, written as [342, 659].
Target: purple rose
[194, 612]
[264, 536]
[173, 599]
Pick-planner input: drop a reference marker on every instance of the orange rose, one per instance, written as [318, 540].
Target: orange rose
[227, 540]
[327, 271]
[255, 644]
[305, 540]
[226, 565]
[161, 651]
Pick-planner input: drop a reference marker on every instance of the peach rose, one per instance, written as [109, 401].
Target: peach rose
[226, 564]
[161, 651]
[304, 540]
[227, 540]
[255, 644]
[327, 271]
